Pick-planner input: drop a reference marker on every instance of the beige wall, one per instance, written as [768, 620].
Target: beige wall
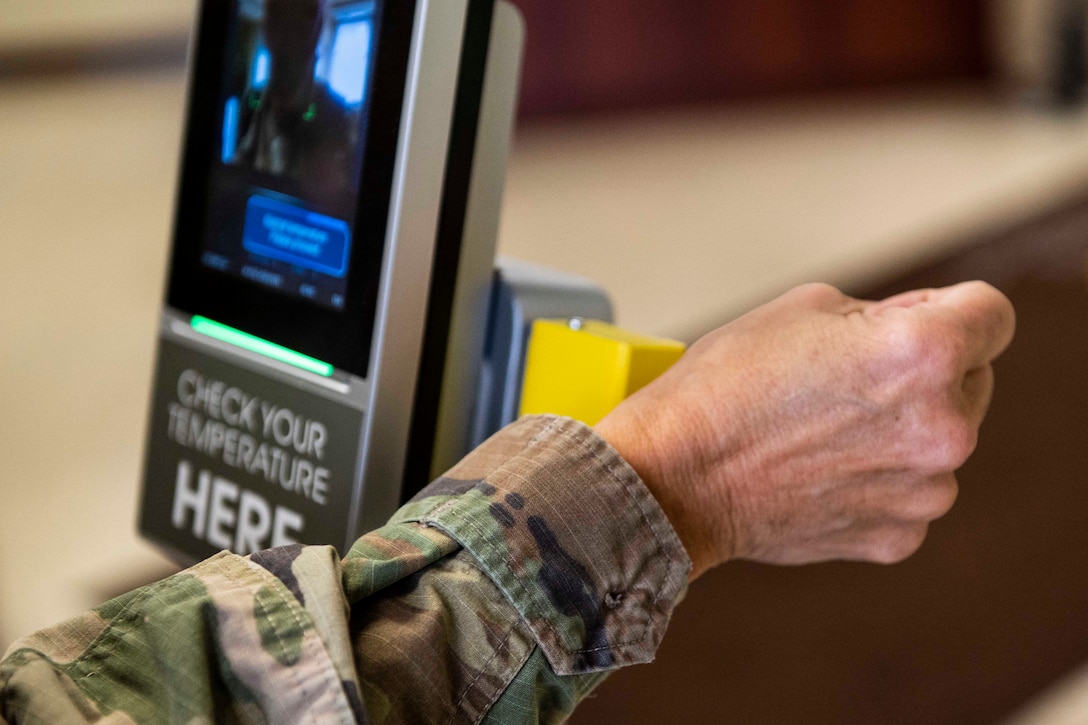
[46, 23]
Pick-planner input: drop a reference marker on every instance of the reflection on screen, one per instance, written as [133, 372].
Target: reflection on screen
[344, 67]
[294, 110]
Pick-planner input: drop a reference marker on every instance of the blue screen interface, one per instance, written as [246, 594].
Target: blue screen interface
[285, 181]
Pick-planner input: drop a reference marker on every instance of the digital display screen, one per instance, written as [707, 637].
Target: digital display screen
[283, 188]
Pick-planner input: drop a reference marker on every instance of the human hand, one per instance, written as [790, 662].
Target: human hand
[818, 426]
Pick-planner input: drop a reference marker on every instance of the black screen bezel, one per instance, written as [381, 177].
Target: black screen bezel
[340, 337]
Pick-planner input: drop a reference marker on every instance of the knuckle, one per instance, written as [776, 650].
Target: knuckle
[905, 346]
[952, 442]
[937, 499]
[819, 294]
[990, 298]
[900, 544]
[927, 351]
[931, 500]
[944, 496]
[936, 438]
[943, 358]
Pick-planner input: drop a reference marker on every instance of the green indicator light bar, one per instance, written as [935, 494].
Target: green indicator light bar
[262, 347]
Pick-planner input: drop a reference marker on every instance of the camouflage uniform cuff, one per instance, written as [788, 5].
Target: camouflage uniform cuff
[572, 537]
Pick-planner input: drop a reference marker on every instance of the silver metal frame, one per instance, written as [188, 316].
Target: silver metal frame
[406, 275]
[468, 325]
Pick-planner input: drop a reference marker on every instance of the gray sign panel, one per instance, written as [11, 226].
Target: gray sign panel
[237, 460]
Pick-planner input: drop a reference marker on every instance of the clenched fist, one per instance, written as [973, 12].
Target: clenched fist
[818, 426]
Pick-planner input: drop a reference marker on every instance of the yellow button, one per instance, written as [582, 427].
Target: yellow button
[584, 369]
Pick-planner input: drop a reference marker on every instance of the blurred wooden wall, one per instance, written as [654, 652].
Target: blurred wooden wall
[594, 55]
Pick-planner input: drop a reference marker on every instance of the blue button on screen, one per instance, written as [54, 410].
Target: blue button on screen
[296, 236]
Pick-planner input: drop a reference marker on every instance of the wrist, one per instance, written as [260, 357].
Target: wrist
[672, 485]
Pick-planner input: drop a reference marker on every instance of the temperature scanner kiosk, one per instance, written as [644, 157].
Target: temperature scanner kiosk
[331, 276]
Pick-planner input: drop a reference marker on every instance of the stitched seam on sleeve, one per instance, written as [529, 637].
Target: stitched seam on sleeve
[512, 624]
[279, 638]
[276, 585]
[121, 617]
[498, 651]
[502, 691]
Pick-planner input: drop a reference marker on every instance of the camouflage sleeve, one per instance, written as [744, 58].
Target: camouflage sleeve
[503, 593]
